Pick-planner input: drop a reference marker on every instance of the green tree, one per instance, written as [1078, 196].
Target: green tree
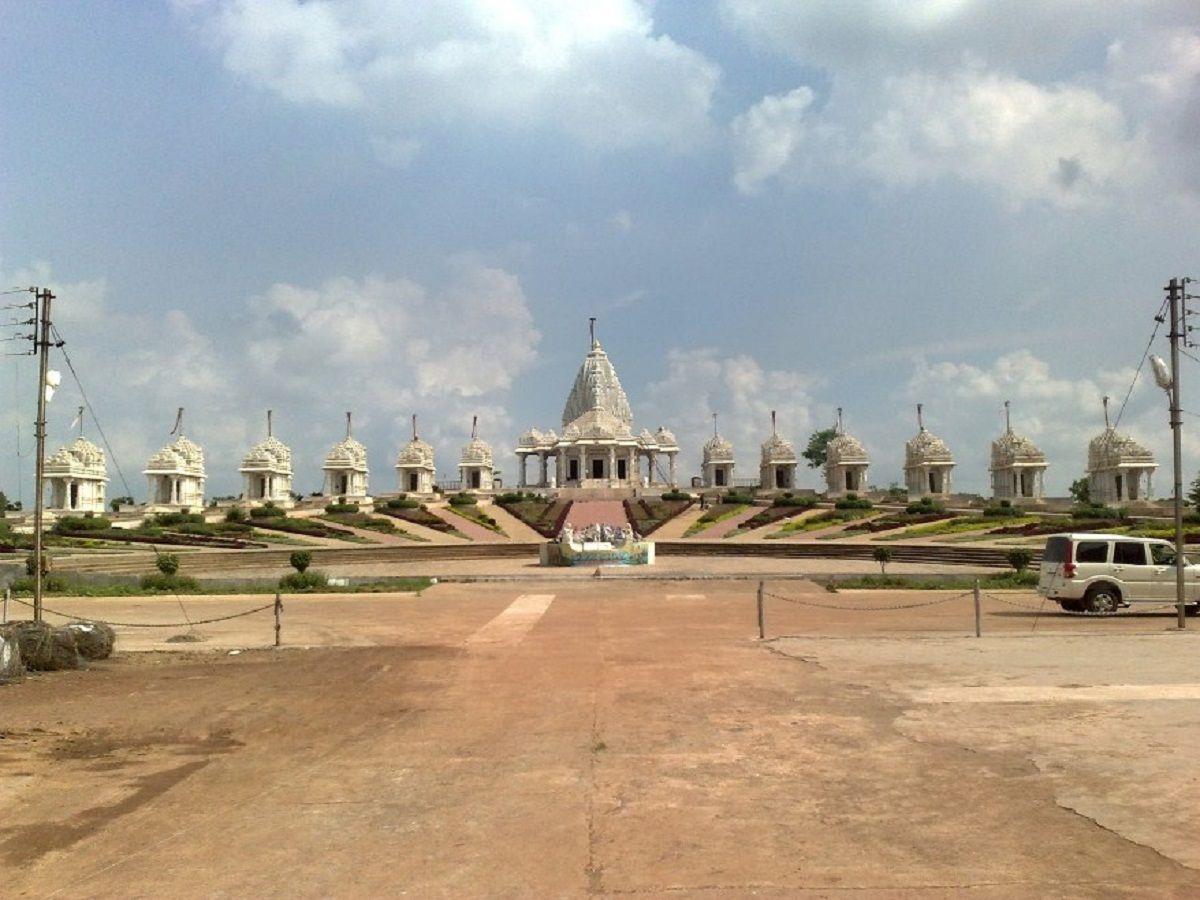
[1081, 491]
[818, 446]
[300, 560]
[167, 563]
[1019, 558]
[1193, 494]
[882, 555]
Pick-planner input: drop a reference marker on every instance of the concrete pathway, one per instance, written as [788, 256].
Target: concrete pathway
[674, 529]
[472, 530]
[597, 512]
[516, 530]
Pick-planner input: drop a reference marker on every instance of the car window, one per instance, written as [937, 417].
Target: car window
[1091, 552]
[1129, 553]
[1162, 554]
[1056, 550]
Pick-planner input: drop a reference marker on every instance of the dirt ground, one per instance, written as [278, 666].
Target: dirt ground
[609, 738]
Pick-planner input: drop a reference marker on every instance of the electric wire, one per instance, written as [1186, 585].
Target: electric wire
[1145, 353]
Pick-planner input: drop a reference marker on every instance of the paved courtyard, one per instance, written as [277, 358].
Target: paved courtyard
[609, 738]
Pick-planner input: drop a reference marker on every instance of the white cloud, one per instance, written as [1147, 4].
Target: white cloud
[769, 136]
[700, 382]
[592, 68]
[382, 347]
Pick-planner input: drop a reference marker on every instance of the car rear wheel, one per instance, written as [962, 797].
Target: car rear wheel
[1102, 600]
[1072, 605]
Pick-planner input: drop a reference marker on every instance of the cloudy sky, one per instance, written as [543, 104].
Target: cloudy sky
[414, 207]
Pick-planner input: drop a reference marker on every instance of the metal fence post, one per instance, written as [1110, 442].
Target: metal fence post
[278, 613]
[978, 612]
[761, 622]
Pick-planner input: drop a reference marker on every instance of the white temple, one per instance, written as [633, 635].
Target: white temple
[475, 465]
[598, 448]
[777, 468]
[928, 463]
[1119, 468]
[267, 471]
[77, 475]
[176, 473]
[414, 465]
[345, 468]
[846, 463]
[716, 460]
[1018, 466]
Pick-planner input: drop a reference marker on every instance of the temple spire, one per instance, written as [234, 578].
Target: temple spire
[839, 421]
[79, 416]
[474, 427]
[1106, 425]
[270, 429]
[592, 331]
[414, 426]
[920, 417]
[1007, 417]
[349, 425]
[715, 432]
[774, 432]
[178, 429]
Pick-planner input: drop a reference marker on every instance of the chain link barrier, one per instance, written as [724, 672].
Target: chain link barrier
[188, 624]
[889, 608]
[1057, 610]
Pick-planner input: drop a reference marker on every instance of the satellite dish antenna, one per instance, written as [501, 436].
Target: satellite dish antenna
[1162, 375]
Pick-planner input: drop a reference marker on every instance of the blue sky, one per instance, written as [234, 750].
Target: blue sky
[399, 208]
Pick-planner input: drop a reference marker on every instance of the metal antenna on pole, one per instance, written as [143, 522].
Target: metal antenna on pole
[1177, 333]
[42, 347]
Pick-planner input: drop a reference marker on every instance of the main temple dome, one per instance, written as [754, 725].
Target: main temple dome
[597, 387]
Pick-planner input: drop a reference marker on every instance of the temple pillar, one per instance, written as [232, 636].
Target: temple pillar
[544, 475]
[522, 459]
[671, 468]
[612, 463]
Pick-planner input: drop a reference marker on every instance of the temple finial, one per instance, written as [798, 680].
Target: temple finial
[715, 432]
[178, 429]
[839, 421]
[79, 415]
[474, 427]
[592, 331]
[414, 426]
[773, 431]
[920, 417]
[270, 429]
[349, 425]
[1106, 425]
[1007, 417]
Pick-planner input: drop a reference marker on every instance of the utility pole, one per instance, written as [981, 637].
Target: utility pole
[41, 343]
[1178, 333]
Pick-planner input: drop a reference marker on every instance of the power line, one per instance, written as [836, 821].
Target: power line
[1158, 320]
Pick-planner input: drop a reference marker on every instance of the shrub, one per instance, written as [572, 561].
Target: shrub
[1002, 510]
[167, 563]
[303, 581]
[267, 511]
[737, 497]
[117, 502]
[1019, 558]
[53, 584]
[883, 556]
[334, 508]
[462, 500]
[853, 501]
[791, 501]
[1099, 511]
[676, 495]
[235, 514]
[86, 522]
[167, 520]
[897, 494]
[161, 581]
[402, 502]
[31, 564]
[924, 505]
[300, 560]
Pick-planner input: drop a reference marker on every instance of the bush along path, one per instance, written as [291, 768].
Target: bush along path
[469, 528]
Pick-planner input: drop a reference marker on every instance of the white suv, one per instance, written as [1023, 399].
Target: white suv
[1100, 573]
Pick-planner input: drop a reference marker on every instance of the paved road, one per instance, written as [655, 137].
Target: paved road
[553, 740]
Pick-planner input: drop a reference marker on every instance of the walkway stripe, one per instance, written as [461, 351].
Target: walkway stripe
[510, 627]
[1093, 693]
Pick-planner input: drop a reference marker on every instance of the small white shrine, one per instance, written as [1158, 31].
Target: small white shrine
[777, 468]
[1018, 467]
[475, 468]
[928, 463]
[716, 460]
[267, 472]
[77, 476]
[414, 465]
[345, 468]
[597, 448]
[176, 473]
[1119, 468]
[846, 463]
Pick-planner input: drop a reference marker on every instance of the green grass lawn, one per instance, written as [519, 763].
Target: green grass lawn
[957, 526]
[718, 513]
[820, 521]
[1011, 580]
[472, 513]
